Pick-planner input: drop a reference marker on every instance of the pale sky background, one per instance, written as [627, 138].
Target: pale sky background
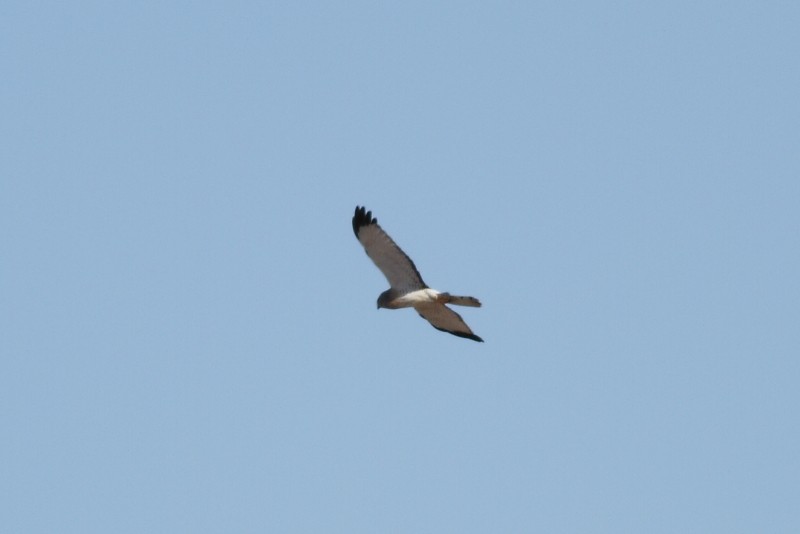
[189, 335]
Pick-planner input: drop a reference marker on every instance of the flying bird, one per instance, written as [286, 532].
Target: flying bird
[407, 290]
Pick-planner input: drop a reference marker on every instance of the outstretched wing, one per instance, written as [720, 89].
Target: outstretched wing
[443, 318]
[398, 268]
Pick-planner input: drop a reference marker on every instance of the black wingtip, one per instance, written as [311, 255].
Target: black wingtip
[473, 337]
[362, 217]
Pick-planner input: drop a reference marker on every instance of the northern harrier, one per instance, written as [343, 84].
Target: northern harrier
[407, 288]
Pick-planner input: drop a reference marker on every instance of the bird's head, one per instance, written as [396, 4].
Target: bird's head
[385, 298]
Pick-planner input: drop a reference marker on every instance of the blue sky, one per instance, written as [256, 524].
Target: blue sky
[189, 336]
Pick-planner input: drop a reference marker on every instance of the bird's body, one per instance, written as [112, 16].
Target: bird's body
[395, 299]
[407, 288]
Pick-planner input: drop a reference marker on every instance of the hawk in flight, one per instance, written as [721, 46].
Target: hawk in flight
[407, 288]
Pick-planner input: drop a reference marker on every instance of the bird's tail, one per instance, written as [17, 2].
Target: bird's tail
[447, 298]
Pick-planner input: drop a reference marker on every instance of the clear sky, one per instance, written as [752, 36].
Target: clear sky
[188, 328]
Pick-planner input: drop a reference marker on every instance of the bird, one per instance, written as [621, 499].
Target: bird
[407, 289]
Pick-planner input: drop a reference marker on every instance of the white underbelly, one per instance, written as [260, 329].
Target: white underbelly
[411, 299]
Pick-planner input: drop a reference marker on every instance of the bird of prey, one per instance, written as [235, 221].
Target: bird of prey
[407, 290]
